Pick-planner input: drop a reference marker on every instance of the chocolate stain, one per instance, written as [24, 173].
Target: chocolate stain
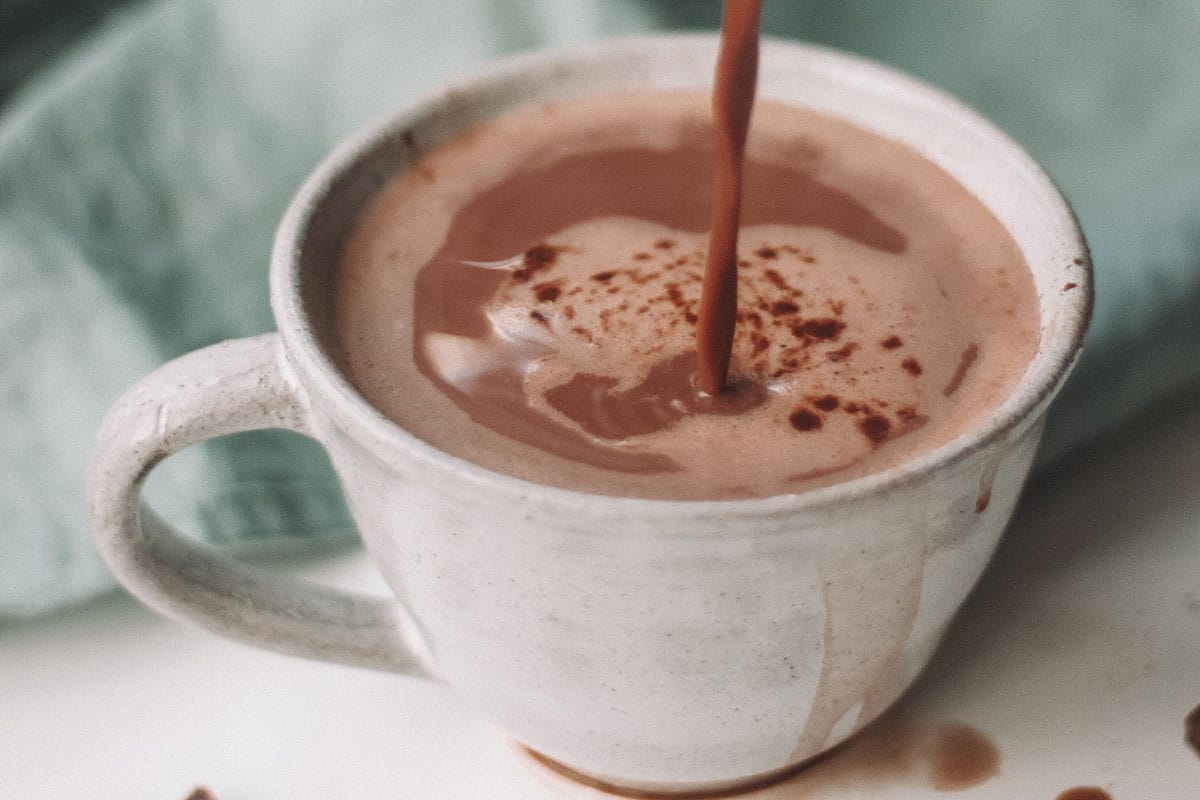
[894, 751]
[962, 757]
[986, 481]
[1191, 729]
[1084, 793]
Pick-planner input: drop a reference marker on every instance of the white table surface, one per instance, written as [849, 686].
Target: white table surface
[1078, 657]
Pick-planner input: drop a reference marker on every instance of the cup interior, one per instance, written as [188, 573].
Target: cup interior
[974, 151]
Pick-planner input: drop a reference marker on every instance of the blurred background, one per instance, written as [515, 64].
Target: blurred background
[147, 150]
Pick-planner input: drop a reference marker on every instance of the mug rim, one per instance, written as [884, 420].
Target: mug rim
[1035, 389]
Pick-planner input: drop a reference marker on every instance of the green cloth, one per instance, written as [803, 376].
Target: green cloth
[142, 175]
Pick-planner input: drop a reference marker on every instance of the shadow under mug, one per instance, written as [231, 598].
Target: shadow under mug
[648, 644]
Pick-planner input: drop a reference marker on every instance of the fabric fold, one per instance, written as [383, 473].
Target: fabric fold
[141, 180]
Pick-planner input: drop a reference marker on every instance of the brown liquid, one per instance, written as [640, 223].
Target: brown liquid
[1084, 793]
[1191, 729]
[962, 758]
[892, 752]
[733, 97]
[526, 297]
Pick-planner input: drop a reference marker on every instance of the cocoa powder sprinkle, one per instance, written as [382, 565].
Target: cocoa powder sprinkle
[875, 427]
[537, 258]
[782, 308]
[843, 352]
[540, 254]
[777, 279]
[803, 419]
[825, 328]
[547, 292]
[827, 402]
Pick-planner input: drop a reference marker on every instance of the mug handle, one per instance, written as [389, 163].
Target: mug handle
[230, 387]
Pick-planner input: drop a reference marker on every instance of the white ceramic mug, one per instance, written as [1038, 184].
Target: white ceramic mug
[654, 645]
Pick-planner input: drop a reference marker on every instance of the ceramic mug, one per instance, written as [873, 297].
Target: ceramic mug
[653, 645]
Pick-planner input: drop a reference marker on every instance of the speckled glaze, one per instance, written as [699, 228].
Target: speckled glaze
[655, 645]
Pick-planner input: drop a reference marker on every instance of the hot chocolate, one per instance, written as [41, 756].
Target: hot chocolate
[525, 296]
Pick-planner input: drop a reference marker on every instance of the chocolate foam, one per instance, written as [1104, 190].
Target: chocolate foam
[526, 297]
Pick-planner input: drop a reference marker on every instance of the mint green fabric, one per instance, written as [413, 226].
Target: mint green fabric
[142, 175]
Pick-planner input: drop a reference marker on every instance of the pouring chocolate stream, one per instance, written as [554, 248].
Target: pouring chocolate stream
[733, 99]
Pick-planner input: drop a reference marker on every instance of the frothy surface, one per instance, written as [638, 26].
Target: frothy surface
[525, 297]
